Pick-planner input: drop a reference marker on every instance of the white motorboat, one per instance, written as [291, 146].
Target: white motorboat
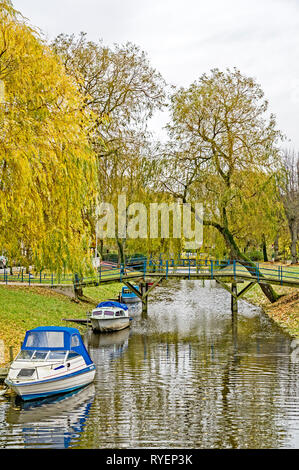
[110, 316]
[52, 360]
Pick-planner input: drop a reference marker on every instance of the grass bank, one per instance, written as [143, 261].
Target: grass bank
[23, 308]
[285, 312]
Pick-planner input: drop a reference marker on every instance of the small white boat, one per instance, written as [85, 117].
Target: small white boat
[52, 360]
[110, 316]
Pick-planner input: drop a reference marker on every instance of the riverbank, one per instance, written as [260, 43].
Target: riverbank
[23, 308]
[285, 312]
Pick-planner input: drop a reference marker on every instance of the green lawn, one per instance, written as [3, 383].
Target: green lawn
[23, 308]
[103, 292]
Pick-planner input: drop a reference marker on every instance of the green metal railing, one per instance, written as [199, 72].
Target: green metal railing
[208, 268]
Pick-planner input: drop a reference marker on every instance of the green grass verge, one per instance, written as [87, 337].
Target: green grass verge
[23, 308]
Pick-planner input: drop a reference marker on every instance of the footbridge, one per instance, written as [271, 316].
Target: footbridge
[235, 276]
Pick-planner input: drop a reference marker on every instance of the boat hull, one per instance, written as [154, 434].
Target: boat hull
[49, 387]
[114, 324]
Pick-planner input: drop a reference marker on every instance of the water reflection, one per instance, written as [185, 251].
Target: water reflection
[186, 376]
[107, 346]
[54, 421]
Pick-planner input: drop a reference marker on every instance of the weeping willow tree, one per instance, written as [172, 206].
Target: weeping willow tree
[229, 144]
[47, 169]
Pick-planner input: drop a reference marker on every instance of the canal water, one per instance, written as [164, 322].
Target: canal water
[184, 377]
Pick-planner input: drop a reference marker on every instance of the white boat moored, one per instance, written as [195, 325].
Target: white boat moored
[52, 360]
[110, 316]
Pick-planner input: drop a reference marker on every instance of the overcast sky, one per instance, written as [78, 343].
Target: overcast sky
[185, 38]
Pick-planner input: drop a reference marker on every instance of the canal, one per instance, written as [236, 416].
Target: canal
[184, 377]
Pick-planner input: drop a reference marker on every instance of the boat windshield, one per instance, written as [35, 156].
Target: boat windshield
[109, 313]
[41, 355]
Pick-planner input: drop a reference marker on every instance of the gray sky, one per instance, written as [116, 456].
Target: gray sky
[184, 39]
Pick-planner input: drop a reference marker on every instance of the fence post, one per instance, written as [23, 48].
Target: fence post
[212, 269]
[51, 279]
[257, 273]
[234, 269]
[281, 281]
[11, 354]
[167, 269]
[29, 277]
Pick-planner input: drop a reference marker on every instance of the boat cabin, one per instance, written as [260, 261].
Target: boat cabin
[111, 313]
[128, 293]
[53, 343]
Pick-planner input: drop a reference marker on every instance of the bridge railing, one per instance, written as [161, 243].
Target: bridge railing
[231, 267]
[31, 278]
[166, 267]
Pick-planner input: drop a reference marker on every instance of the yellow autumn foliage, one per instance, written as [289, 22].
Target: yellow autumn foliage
[47, 169]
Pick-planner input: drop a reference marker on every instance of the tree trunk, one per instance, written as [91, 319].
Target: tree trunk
[293, 246]
[264, 247]
[276, 248]
[121, 250]
[101, 250]
[236, 254]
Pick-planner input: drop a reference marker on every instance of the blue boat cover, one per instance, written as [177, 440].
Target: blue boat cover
[129, 294]
[56, 338]
[110, 303]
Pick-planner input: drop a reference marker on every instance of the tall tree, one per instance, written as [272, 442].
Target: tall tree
[222, 119]
[123, 90]
[290, 197]
[47, 168]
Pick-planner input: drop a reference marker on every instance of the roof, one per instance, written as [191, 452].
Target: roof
[65, 329]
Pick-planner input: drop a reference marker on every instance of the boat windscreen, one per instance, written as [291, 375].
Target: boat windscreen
[57, 355]
[25, 355]
[41, 355]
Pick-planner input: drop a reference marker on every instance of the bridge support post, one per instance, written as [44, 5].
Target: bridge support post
[234, 298]
[144, 298]
[145, 288]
